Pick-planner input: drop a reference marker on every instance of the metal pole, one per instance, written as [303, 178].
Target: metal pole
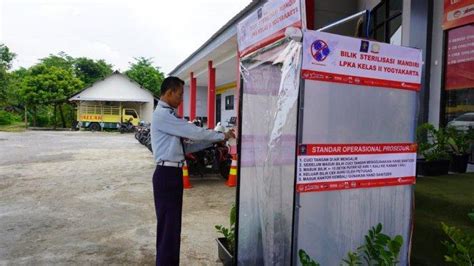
[356, 15]
[26, 117]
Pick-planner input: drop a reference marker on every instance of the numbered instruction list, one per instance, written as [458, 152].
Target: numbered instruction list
[332, 167]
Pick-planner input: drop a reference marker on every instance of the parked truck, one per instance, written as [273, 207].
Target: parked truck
[96, 117]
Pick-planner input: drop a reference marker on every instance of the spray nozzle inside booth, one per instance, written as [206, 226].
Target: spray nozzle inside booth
[326, 138]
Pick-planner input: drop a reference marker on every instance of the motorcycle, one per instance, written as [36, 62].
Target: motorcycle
[215, 159]
[147, 142]
[138, 129]
[126, 127]
[143, 135]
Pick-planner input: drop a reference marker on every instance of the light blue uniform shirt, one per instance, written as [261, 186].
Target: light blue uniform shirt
[167, 129]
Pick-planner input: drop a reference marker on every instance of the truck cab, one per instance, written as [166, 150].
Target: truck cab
[131, 115]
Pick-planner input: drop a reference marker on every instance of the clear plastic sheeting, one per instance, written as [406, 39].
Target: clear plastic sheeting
[269, 111]
[330, 224]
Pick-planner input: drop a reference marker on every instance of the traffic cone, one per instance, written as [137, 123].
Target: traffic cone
[232, 180]
[186, 183]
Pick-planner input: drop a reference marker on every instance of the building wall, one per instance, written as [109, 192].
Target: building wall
[227, 114]
[186, 100]
[145, 110]
[201, 101]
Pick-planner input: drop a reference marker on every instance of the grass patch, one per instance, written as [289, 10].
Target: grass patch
[15, 127]
[439, 199]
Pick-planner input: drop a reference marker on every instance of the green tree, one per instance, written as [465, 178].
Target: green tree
[6, 57]
[61, 60]
[48, 86]
[144, 73]
[86, 69]
[13, 97]
[89, 71]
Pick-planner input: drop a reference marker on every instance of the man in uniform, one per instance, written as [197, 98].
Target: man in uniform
[167, 135]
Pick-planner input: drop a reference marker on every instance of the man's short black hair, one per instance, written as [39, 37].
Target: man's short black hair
[171, 83]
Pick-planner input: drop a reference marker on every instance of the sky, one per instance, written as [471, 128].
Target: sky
[114, 30]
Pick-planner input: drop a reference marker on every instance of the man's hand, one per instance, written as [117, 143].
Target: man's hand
[229, 134]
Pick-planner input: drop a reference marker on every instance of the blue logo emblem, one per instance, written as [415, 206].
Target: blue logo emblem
[320, 50]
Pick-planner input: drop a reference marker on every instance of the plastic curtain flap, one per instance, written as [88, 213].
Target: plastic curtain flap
[271, 78]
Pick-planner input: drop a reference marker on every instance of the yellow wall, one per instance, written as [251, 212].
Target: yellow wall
[223, 88]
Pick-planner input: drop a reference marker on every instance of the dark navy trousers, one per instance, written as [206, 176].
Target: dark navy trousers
[168, 194]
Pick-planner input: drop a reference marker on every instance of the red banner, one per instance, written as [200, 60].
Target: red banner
[369, 183]
[339, 149]
[339, 78]
[460, 59]
[458, 13]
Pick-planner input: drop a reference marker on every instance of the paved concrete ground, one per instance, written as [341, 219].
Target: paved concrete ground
[86, 198]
